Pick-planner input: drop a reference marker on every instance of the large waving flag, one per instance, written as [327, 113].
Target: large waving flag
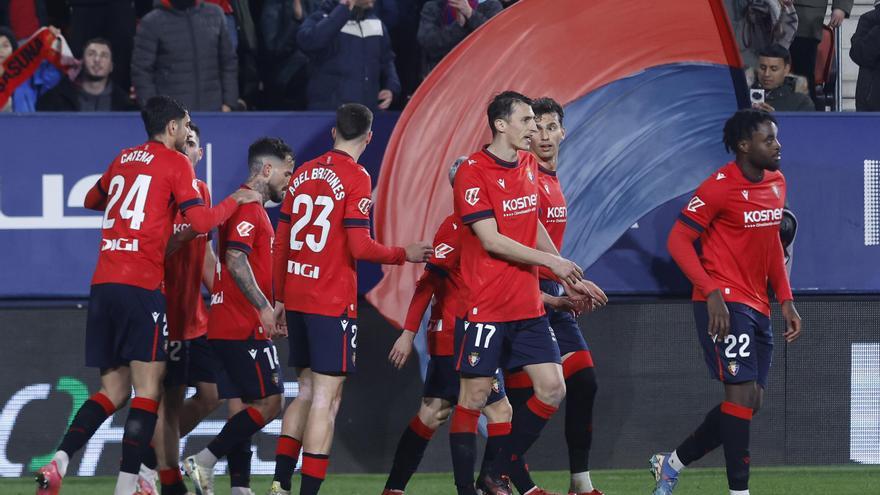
[646, 88]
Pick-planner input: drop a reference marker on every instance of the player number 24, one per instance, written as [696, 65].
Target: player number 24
[305, 203]
[137, 195]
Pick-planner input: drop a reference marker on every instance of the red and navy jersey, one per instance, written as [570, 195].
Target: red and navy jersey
[738, 221]
[144, 187]
[440, 285]
[486, 187]
[187, 315]
[553, 211]
[326, 197]
[232, 316]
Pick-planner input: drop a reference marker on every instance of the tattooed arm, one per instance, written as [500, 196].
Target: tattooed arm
[240, 269]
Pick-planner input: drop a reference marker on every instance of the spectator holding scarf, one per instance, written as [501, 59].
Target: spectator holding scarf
[29, 71]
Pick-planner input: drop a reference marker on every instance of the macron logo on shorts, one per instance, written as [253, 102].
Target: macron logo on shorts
[253, 353]
[244, 228]
[694, 204]
[472, 195]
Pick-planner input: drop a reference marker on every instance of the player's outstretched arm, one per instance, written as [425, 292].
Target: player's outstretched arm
[202, 219]
[363, 247]
[240, 269]
[504, 247]
[425, 288]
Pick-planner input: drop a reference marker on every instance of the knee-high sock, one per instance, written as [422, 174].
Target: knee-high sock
[463, 445]
[286, 455]
[314, 470]
[408, 455]
[239, 460]
[580, 384]
[526, 428]
[705, 439]
[88, 419]
[172, 482]
[237, 429]
[139, 428]
[736, 422]
[498, 434]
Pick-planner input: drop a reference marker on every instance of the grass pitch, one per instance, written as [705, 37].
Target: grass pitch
[818, 480]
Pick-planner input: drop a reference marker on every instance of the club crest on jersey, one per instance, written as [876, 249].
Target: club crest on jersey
[775, 189]
[501, 183]
[244, 228]
[442, 250]
[472, 195]
[694, 204]
[473, 358]
[364, 206]
[745, 193]
[253, 353]
[733, 368]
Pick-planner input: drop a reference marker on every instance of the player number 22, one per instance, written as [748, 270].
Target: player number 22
[305, 202]
[731, 342]
[137, 195]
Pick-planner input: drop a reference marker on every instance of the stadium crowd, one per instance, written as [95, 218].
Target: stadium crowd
[234, 55]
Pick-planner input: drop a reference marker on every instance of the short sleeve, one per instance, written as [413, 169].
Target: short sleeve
[446, 247]
[184, 185]
[242, 228]
[359, 202]
[704, 206]
[471, 196]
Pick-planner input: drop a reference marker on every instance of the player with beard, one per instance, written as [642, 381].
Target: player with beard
[735, 214]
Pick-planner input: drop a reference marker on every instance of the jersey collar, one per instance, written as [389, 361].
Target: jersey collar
[499, 161]
[545, 170]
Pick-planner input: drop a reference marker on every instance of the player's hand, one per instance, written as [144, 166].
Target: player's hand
[401, 349]
[463, 6]
[837, 17]
[280, 319]
[792, 322]
[385, 97]
[267, 321]
[597, 295]
[560, 303]
[567, 271]
[418, 252]
[719, 316]
[243, 196]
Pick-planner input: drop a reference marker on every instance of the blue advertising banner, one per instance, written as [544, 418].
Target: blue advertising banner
[50, 161]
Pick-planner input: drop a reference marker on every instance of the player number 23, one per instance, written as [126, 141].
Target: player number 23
[305, 203]
[731, 341]
[137, 195]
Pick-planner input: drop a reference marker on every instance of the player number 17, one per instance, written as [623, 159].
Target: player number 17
[490, 331]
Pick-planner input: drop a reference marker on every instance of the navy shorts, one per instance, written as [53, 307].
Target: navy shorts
[125, 323]
[324, 344]
[486, 347]
[190, 362]
[746, 353]
[248, 370]
[564, 325]
[442, 381]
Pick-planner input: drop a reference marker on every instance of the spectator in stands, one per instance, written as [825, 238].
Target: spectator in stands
[182, 49]
[92, 91]
[758, 24]
[865, 52]
[773, 75]
[811, 15]
[23, 16]
[350, 56]
[285, 65]
[445, 23]
[46, 77]
[113, 20]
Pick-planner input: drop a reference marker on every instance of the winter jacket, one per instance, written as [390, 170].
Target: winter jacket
[24, 98]
[786, 99]
[350, 60]
[811, 15]
[865, 52]
[437, 37]
[65, 98]
[185, 54]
